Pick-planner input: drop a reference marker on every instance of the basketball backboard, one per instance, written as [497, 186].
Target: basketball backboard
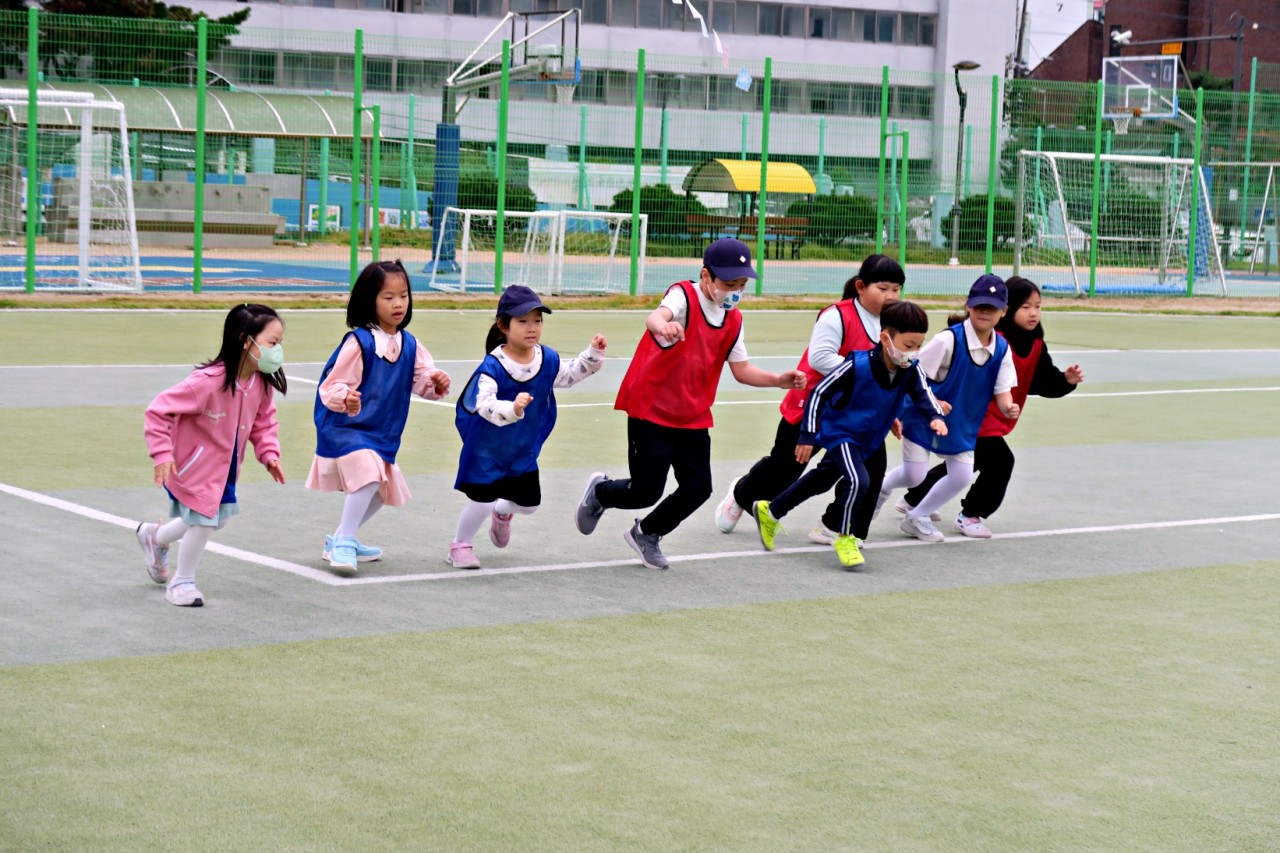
[1145, 86]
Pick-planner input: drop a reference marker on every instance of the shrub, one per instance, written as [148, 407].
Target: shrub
[666, 209]
[836, 219]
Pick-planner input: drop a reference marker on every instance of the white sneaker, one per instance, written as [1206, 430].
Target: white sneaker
[822, 534]
[972, 527]
[154, 555]
[903, 507]
[728, 514]
[184, 594]
[880, 499]
[921, 528]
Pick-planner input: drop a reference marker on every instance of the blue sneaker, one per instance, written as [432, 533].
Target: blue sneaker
[342, 555]
[364, 553]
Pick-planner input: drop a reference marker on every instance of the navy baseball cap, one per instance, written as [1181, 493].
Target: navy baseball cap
[518, 300]
[989, 290]
[728, 259]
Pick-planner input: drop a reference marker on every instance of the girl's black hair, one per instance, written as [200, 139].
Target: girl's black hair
[362, 310]
[496, 337]
[875, 268]
[1020, 290]
[244, 322]
[903, 317]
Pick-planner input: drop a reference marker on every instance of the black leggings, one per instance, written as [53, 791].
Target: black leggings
[771, 475]
[652, 451]
[842, 463]
[993, 460]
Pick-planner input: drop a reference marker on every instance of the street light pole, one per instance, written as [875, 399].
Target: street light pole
[955, 204]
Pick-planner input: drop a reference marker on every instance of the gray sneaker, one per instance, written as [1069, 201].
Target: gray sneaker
[646, 545]
[589, 510]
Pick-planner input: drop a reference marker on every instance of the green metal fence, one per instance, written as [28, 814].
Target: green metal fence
[332, 138]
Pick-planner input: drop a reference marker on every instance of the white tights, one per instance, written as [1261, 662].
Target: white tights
[475, 513]
[910, 474]
[194, 539]
[357, 509]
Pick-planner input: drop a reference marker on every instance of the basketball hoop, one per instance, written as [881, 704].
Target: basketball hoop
[564, 93]
[1120, 119]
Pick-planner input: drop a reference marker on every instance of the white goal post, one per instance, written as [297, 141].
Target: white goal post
[84, 144]
[1144, 226]
[552, 251]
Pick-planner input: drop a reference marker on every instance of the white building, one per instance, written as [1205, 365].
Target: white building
[827, 61]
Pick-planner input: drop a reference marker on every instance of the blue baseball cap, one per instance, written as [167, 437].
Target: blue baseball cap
[728, 259]
[989, 290]
[518, 300]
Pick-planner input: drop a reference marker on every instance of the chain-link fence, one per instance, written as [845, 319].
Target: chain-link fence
[288, 159]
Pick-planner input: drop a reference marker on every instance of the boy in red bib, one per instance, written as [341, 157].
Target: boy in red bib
[667, 395]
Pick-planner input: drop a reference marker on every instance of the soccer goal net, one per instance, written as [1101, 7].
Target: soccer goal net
[552, 251]
[82, 193]
[1150, 210]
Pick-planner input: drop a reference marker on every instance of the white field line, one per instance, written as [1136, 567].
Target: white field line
[330, 580]
[132, 524]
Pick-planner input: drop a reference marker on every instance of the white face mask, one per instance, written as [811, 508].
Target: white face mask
[902, 358]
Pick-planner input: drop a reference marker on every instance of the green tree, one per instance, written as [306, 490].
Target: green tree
[113, 41]
[973, 222]
[835, 219]
[666, 209]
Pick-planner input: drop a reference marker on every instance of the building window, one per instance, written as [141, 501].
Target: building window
[595, 12]
[913, 102]
[841, 24]
[722, 16]
[928, 27]
[377, 74]
[673, 17]
[820, 24]
[910, 29]
[864, 100]
[745, 23]
[886, 27]
[793, 21]
[624, 13]
[464, 7]
[650, 15]
[770, 20]
[864, 24]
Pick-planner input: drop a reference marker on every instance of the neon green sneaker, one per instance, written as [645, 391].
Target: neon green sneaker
[768, 526]
[847, 550]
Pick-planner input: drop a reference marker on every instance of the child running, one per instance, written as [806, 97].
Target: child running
[504, 416]
[992, 458]
[196, 433]
[851, 324]
[849, 414]
[362, 406]
[668, 393]
[969, 366]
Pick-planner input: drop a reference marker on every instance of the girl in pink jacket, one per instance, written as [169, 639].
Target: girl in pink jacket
[196, 433]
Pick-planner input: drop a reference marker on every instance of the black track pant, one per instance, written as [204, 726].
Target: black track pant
[842, 463]
[775, 472]
[652, 451]
[993, 460]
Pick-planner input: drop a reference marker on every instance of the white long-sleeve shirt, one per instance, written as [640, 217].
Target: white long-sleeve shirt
[828, 334]
[503, 412]
[935, 357]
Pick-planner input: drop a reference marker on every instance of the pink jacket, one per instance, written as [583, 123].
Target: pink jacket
[194, 424]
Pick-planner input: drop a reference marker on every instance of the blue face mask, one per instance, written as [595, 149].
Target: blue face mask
[270, 359]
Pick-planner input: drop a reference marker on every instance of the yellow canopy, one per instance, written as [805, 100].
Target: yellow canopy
[743, 176]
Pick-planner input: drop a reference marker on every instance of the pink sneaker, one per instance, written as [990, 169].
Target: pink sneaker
[461, 556]
[500, 529]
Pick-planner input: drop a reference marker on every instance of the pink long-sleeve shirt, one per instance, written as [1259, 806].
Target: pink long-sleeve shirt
[348, 370]
[195, 425]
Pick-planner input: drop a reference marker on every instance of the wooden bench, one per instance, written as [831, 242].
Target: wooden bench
[778, 230]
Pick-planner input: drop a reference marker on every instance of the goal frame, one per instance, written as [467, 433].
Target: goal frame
[1201, 207]
[80, 109]
[555, 226]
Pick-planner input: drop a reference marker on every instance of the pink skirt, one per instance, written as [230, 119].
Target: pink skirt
[357, 470]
